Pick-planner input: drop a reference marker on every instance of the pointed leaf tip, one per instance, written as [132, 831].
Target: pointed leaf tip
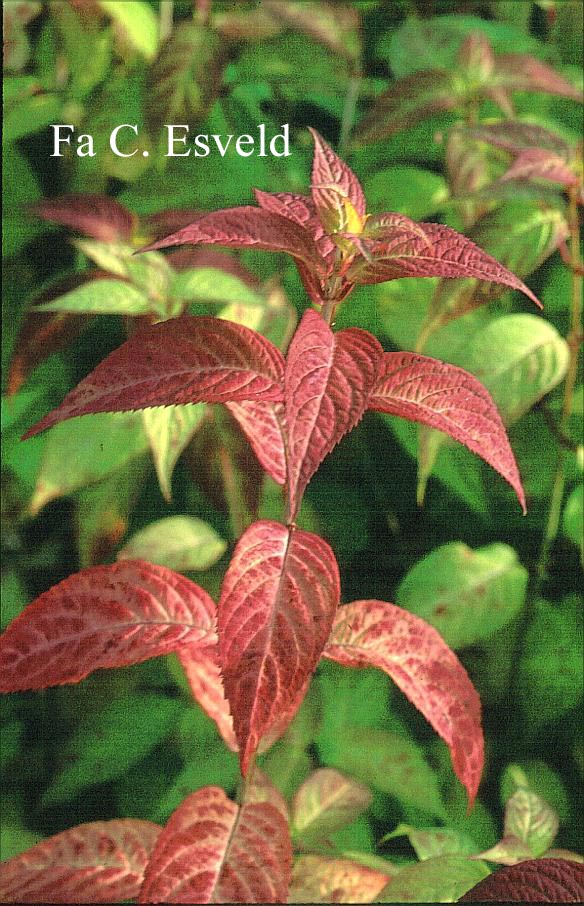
[451, 400]
[184, 360]
[377, 634]
[328, 380]
[104, 616]
[277, 606]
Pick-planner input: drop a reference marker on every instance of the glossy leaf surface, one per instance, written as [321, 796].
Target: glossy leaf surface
[450, 399]
[378, 634]
[184, 360]
[213, 851]
[104, 616]
[333, 182]
[328, 380]
[277, 605]
[99, 862]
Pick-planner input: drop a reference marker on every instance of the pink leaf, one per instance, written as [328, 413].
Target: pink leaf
[277, 605]
[184, 360]
[513, 135]
[414, 654]
[439, 252]
[213, 851]
[301, 210]
[328, 379]
[333, 182]
[201, 667]
[246, 227]
[450, 399]
[521, 72]
[538, 163]
[99, 862]
[317, 879]
[535, 881]
[104, 616]
[97, 216]
[262, 425]
[406, 102]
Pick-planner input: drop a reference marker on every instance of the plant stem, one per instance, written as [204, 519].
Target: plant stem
[349, 110]
[166, 16]
[574, 340]
[238, 514]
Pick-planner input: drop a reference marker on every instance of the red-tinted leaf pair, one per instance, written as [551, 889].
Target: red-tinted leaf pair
[211, 851]
[335, 243]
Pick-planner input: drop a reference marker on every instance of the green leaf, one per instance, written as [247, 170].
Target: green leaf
[551, 670]
[434, 43]
[573, 518]
[107, 743]
[519, 358]
[407, 190]
[82, 452]
[532, 820]
[467, 595]
[389, 762]
[215, 765]
[443, 879]
[19, 186]
[32, 114]
[101, 297]
[137, 23]
[358, 698]
[536, 775]
[434, 841]
[169, 430]
[456, 467]
[181, 543]
[211, 284]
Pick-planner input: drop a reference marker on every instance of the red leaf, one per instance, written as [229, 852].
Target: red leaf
[104, 616]
[246, 227]
[99, 862]
[535, 881]
[277, 605]
[450, 399]
[538, 163]
[521, 72]
[97, 216]
[333, 182]
[414, 654]
[327, 380]
[212, 850]
[184, 360]
[301, 210]
[406, 102]
[201, 666]
[261, 423]
[438, 252]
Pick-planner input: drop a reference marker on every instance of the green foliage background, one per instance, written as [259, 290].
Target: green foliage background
[130, 742]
